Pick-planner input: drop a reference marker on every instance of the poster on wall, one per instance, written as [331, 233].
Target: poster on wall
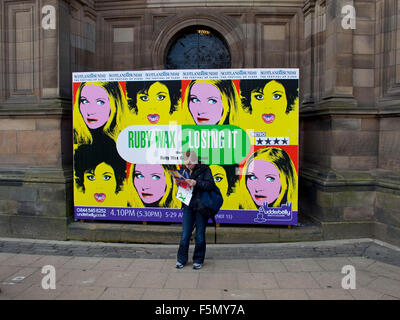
[131, 129]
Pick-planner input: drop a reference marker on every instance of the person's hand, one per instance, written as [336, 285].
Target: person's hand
[179, 182]
[191, 182]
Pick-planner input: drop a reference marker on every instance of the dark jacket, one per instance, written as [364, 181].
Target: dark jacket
[204, 182]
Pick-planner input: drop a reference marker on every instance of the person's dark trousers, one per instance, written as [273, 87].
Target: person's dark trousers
[188, 220]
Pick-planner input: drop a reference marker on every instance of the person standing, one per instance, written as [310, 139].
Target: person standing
[200, 179]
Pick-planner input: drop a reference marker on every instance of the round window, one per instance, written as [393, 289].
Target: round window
[198, 48]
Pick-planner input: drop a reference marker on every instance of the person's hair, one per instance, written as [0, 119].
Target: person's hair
[232, 176]
[88, 156]
[115, 123]
[229, 95]
[287, 173]
[133, 88]
[168, 200]
[248, 86]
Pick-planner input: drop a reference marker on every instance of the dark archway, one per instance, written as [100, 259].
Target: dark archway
[197, 47]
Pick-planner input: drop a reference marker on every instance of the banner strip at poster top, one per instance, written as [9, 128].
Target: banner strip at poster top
[209, 74]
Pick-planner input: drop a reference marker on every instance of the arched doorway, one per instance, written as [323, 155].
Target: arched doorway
[197, 47]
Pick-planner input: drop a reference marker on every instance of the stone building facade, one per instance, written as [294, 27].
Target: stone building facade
[349, 98]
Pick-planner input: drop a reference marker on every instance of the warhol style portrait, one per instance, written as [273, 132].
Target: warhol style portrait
[154, 102]
[211, 102]
[100, 175]
[269, 176]
[152, 186]
[268, 106]
[102, 108]
[226, 178]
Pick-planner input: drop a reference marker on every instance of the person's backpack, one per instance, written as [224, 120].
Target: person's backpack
[210, 203]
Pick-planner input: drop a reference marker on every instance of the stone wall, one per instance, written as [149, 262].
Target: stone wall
[387, 79]
[349, 86]
[35, 123]
[349, 173]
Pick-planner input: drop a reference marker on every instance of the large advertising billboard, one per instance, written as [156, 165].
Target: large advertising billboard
[131, 130]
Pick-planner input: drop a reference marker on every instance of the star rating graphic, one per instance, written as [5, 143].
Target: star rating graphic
[272, 141]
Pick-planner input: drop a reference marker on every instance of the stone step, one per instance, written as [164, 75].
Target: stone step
[170, 234]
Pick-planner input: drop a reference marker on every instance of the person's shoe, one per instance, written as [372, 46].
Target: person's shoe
[197, 266]
[179, 265]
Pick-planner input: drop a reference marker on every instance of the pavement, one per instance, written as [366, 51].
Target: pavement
[274, 271]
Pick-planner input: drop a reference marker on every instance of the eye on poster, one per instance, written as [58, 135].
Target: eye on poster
[131, 129]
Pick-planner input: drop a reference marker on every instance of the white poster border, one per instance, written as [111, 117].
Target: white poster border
[189, 74]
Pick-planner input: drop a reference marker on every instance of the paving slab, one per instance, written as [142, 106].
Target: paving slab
[360, 263]
[200, 294]
[85, 263]
[365, 277]
[4, 256]
[385, 269]
[118, 279]
[333, 263]
[7, 271]
[224, 265]
[300, 264]
[218, 280]
[295, 280]
[21, 260]
[150, 280]
[36, 292]
[256, 281]
[113, 264]
[387, 286]
[80, 278]
[329, 294]
[366, 294]
[182, 280]
[243, 294]
[23, 274]
[286, 294]
[328, 279]
[161, 294]
[81, 293]
[121, 294]
[386, 297]
[266, 265]
[150, 265]
[232, 272]
[55, 261]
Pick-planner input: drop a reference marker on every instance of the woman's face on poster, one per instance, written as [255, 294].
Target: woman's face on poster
[100, 183]
[205, 103]
[269, 103]
[94, 106]
[149, 181]
[220, 178]
[155, 104]
[263, 182]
